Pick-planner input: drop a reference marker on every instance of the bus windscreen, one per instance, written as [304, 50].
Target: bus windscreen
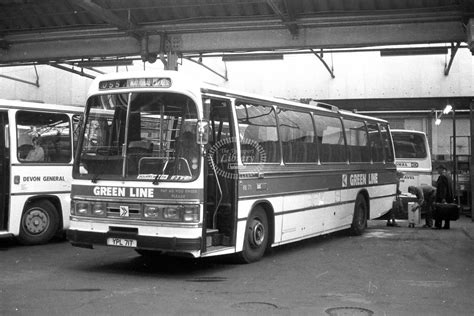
[409, 145]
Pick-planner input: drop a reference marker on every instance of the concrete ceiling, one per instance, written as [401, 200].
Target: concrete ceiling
[48, 31]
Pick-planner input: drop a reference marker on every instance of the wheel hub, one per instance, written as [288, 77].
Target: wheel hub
[258, 234]
[36, 222]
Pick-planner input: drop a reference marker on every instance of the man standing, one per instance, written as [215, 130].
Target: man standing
[444, 193]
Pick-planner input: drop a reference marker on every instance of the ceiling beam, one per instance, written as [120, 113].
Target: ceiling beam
[120, 44]
[287, 19]
[324, 37]
[470, 34]
[105, 14]
[62, 50]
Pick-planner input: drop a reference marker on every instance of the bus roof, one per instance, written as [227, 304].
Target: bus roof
[34, 105]
[408, 131]
[183, 82]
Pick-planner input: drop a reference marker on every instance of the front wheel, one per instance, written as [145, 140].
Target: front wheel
[39, 223]
[256, 236]
[359, 221]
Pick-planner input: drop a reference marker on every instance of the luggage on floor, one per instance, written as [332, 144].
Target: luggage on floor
[446, 211]
[414, 214]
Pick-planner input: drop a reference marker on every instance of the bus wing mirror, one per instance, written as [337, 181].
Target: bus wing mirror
[206, 108]
[202, 132]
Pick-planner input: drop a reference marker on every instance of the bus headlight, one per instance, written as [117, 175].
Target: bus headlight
[99, 209]
[152, 211]
[172, 213]
[82, 208]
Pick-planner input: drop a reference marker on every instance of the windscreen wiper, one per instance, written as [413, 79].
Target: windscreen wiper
[95, 177]
[158, 176]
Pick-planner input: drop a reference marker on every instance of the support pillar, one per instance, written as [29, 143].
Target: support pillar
[171, 61]
[470, 36]
[471, 162]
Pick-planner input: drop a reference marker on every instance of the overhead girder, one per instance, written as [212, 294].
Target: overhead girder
[106, 15]
[288, 17]
[82, 48]
[470, 34]
[88, 44]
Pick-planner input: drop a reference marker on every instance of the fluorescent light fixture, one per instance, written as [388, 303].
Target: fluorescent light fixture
[252, 57]
[447, 109]
[413, 51]
[104, 63]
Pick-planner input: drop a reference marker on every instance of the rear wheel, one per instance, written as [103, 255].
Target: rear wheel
[39, 223]
[256, 236]
[359, 222]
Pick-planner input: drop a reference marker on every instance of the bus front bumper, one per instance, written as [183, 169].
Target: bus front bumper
[87, 239]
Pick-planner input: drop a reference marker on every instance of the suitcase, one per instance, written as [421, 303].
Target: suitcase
[414, 214]
[446, 211]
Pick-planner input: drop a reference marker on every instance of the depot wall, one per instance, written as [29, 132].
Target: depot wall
[357, 75]
[55, 86]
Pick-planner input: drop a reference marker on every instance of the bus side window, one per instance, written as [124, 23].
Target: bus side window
[332, 139]
[51, 133]
[375, 140]
[387, 144]
[220, 135]
[297, 136]
[260, 132]
[356, 136]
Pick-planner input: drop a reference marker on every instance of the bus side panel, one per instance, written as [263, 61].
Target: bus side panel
[315, 213]
[39, 181]
[17, 205]
[414, 178]
[379, 201]
[245, 207]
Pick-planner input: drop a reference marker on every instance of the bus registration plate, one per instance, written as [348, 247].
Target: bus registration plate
[122, 242]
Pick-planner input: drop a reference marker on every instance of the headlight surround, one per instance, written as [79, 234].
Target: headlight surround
[172, 213]
[99, 209]
[167, 213]
[191, 213]
[152, 211]
[82, 208]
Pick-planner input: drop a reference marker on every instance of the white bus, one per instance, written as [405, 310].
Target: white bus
[36, 153]
[182, 167]
[412, 157]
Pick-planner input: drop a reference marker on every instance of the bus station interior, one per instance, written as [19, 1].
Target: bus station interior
[403, 61]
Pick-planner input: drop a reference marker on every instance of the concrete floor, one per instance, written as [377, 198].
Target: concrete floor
[386, 271]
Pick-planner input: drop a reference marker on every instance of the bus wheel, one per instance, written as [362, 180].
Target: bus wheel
[256, 236]
[359, 222]
[39, 223]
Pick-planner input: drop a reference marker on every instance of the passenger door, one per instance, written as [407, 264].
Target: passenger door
[4, 170]
[221, 171]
